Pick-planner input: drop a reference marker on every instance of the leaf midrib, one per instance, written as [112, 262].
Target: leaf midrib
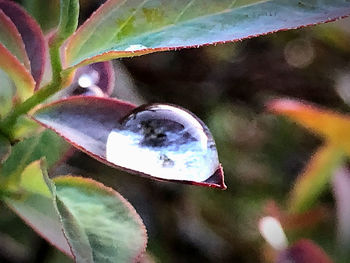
[225, 10]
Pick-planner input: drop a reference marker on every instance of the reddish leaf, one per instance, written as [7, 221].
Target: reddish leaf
[12, 40]
[31, 35]
[326, 123]
[304, 251]
[88, 122]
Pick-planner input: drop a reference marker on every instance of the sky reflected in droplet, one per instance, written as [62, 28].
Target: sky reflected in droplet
[164, 141]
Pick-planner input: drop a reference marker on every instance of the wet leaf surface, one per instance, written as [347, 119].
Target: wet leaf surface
[133, 28]
[160, 141]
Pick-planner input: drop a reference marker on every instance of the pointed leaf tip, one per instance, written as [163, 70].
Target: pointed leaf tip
[217, 179]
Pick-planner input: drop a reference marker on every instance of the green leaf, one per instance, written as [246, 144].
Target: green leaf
[12, 40]
[47, 144]
[23, 80]
[7, 92]
[5, 148]
[99, 223]
[137, 27]
[37, 206]
[69, 14]
[315, 178]
[46, 13]
[25, 127]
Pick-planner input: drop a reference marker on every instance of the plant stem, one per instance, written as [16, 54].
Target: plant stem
[27, 105]
[39, 96]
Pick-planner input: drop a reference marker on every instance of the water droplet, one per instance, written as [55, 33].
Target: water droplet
[135, 47]
[164, 141]
[88, 91]
[88, 79]
[86, 83]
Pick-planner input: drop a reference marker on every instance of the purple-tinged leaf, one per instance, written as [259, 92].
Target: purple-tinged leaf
[161, 141]
[31, 35]
[341, 189]
[100, 225]
[23, 80]
[134, 27]
[304, 251]
[96, 79]
[12, 40]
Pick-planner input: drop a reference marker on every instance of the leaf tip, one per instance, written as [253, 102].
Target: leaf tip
[217, 179]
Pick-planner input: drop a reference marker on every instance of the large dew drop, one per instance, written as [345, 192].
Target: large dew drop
[164, 141]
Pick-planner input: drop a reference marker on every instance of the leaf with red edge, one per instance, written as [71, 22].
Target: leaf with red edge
[32, 36]
[23, 80]
[161, 141]
[12, 40]
[100, 225]
[96, 79]
[134, 27]
[304, 251]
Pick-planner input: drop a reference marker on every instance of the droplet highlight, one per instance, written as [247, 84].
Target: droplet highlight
[86, 83]
[135, 47]
[163, 141]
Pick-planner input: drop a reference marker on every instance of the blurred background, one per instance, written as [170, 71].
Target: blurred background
[226, 86]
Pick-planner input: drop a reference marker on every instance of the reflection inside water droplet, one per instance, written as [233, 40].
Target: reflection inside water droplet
[88, 91]
[164, 141]
[87, 84]
[135, 47]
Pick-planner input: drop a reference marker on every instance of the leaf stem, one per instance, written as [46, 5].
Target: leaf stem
[58, 79]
